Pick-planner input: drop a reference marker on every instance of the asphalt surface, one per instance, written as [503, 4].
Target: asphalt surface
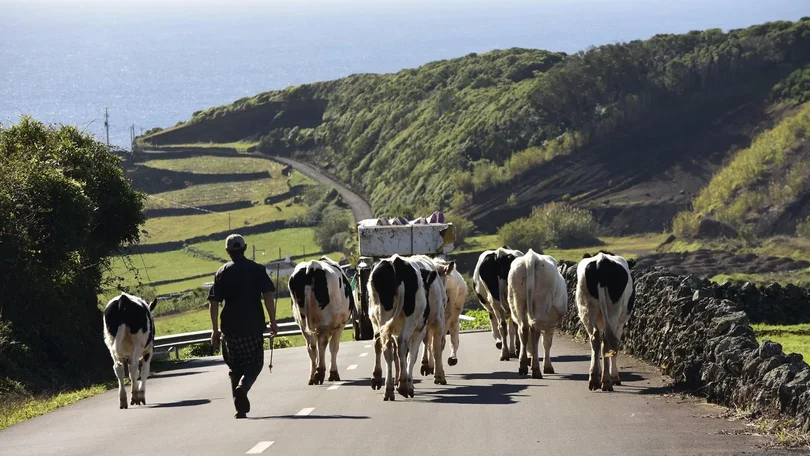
[485, 408]
[359, 206]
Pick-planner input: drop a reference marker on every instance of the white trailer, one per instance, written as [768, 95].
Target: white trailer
[382, 241]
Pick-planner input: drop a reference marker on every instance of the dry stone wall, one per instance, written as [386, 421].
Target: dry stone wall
[698, 333]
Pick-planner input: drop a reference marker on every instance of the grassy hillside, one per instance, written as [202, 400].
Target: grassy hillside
[761, 183]
[467, 133]
[195, 198]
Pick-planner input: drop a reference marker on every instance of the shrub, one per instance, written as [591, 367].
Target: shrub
[481, 320]
[551, 225]
[463, 227]
[334, 229]
[803, 228]
[686, 224]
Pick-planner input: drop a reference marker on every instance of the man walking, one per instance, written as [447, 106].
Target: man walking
[241, 283]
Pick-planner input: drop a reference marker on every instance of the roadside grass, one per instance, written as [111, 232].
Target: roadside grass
[165, 229]
[291, 241]
[793, 338]
[212, 164]
[627, 246]
[31, 407]
[799, 278]
[219, 193]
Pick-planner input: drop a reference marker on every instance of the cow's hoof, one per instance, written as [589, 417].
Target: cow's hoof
[498, 345]
[389, 395]
[452, 361]
[439, 381]
[403, 391]
[334, 376]
[536, 373]
[376, 382]
[607, 386]
[426, 370]
[523, 370]
[311, 381]
[616, 381]
[548, 370]
[504, 357]
[593, 383]
[122, 405]
[320, 375]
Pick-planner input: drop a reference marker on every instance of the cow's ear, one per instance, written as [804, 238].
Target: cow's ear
[586, 255]
[631, 263]
[450, 266]
[153, 304]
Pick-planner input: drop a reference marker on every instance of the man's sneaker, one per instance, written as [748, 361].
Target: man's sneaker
[240, 401]
[240, 415]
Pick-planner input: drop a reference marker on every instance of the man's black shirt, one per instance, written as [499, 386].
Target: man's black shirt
[240, 283]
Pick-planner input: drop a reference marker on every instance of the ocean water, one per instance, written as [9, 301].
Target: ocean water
[153, 63]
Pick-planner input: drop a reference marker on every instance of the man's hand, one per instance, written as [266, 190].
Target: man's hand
[215, 339]
[273, 327]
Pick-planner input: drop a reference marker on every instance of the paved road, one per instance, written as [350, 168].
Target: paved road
[484, 409]
[359, 206]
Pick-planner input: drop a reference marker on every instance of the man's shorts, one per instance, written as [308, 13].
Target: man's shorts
[243, 351]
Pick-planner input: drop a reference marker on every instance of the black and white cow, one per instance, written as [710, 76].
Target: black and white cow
[605, 296]
[397, 309]
[435, 326]
[129, 333]
[538, 298]
[490, 284]
[322, 303]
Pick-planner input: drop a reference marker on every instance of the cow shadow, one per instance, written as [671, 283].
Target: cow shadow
[184, 403]
[570, 358]
[311, 417]
[494, 394]
[625, 376]
[175, 374]
[499, 375]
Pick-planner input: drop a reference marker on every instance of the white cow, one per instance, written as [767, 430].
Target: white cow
[489, 283]
[435, 325]
[321, 298]
[538, 298]
[396, 308]
[129, 333]
[605, 297]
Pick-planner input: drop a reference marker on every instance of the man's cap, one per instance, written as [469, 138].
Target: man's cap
[235, 242]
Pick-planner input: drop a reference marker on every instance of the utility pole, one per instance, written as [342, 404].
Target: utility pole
[254, 252]
[107, 127]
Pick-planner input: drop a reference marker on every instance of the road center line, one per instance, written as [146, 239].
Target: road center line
[259, 448]
[352, 367]
[368, 345]
[363, 354]
[335, 386]
[305, 412]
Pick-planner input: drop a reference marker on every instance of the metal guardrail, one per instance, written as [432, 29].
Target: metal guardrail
[172, 343]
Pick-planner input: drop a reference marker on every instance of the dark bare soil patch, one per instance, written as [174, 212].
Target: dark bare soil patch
[709, 263]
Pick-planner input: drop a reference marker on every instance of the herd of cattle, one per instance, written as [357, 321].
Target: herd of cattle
[417, 300]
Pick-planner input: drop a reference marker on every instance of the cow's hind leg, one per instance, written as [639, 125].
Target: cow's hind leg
[500, 316]
[427, 361]
[534, 344]
[548, 337]
[312, 350]
[614, 364]
[607, 385]
[523, 333]
[596, 344]
[411, 351]
[118, 367]
[376, 375]
[134, 361]
[389, 380]
[320, 370]
[334, 346]
[454, 330]
[514, 340]
[144, 367]
[436, 343]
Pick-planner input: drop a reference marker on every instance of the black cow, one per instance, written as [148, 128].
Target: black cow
[490, 285]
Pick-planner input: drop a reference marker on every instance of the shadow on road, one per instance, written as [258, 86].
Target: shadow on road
[310, 417]
[185, 403]
[175, 374]
[500, 375]
[499, 393]
[570, 358]
[583, 377]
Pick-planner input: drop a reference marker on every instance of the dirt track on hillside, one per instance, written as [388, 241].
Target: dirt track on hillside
[361, 209]
[709, 263]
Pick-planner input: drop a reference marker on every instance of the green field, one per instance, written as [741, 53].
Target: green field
[240, 146]
[291, 241]
[793, 338]
[209, 164]
[219, 193]
[163, 229]
[629, 246]
[198, 320]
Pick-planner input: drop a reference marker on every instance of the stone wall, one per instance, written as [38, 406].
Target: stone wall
[689, 328]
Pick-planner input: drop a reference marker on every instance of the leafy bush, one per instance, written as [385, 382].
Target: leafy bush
[553, 225]
[333, 230]
[463, 227]
[481, 320]
[65, 206]
[686, 224]
[202, 349]
[803, 228]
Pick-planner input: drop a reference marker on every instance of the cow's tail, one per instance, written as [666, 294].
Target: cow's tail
[309, 305]
[399, 303]
[529, 261]
[609, 338]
